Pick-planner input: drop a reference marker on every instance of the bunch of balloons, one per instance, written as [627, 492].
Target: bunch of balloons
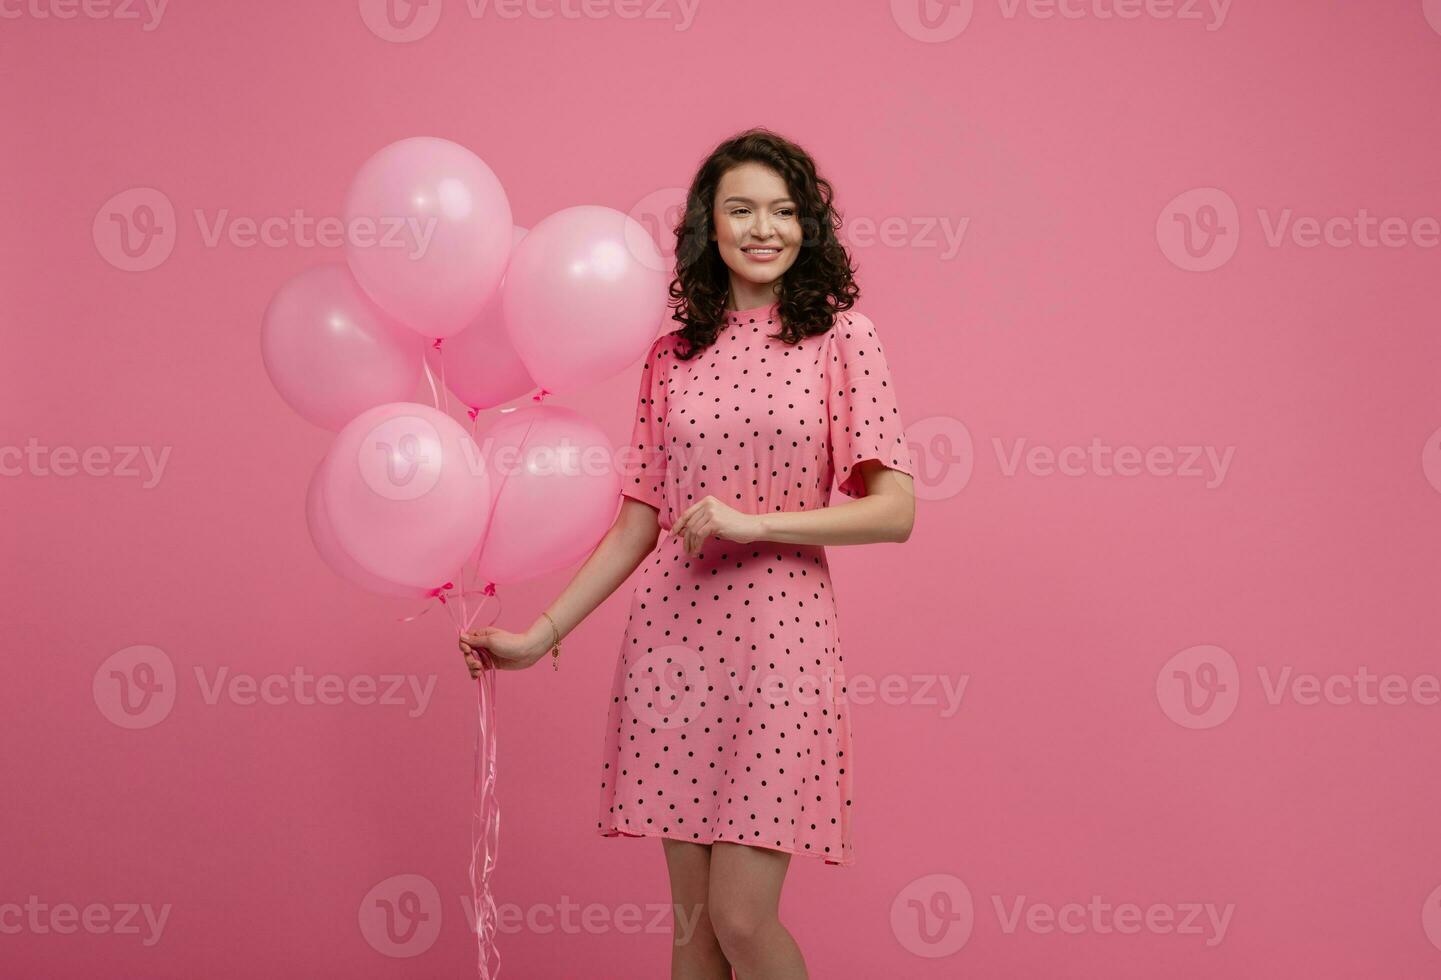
[437, 274]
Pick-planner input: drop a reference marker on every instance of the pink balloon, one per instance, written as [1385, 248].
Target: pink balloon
[407, 493]
[556, 489]
[328, 546]
[331, 353]
[584, 296]
[441, 233]
[480, 363]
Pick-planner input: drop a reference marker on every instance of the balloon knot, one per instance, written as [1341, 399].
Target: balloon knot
[440, 592]
[543, 393]
[489, 589]
[472, 412]
[436, 345]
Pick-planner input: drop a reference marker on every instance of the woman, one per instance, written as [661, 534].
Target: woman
[728, 734]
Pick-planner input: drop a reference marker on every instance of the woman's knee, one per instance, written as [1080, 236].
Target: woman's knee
[737, 923]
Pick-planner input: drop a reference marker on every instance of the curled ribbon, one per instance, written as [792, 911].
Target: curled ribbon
[485, 810]
[485, 831]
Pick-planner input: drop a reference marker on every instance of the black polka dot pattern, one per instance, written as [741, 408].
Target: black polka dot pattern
[728, 719]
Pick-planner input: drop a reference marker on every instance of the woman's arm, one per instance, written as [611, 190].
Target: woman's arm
[886, 513]
[630, 539]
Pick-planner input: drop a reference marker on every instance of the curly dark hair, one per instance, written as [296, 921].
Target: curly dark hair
[821, 282]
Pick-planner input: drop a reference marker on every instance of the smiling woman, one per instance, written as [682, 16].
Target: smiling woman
[728, 732]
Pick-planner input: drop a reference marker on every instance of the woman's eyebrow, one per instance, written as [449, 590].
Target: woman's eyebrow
[746, 200]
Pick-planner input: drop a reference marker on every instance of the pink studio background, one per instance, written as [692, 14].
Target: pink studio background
[1070, 310]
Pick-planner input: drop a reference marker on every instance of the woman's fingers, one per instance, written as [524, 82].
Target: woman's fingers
[475, 639]
[679, 525]
[474, 665]
[695, 537]
[473, 659]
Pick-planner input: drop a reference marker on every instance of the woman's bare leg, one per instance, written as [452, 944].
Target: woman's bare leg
[695, 953]
[745, 894]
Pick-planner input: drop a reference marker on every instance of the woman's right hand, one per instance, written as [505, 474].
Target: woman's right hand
[492, 647]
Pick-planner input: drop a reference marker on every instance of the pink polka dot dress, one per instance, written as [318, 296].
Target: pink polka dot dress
[728, 719]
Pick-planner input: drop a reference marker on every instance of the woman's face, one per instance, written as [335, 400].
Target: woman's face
[757, 226]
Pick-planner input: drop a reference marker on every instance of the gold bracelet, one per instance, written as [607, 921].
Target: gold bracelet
[555, 647]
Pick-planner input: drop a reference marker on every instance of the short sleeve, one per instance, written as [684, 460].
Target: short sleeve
[865, 417]
[644, 474]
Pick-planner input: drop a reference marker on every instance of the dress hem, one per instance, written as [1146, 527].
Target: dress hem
[617, 832]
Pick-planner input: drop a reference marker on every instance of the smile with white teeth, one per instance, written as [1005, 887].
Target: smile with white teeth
[762, 249]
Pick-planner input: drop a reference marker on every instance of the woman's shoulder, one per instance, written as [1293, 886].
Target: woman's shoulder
[663, 345]
[851, 328]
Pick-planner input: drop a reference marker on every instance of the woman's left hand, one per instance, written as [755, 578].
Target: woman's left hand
[708, 517]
